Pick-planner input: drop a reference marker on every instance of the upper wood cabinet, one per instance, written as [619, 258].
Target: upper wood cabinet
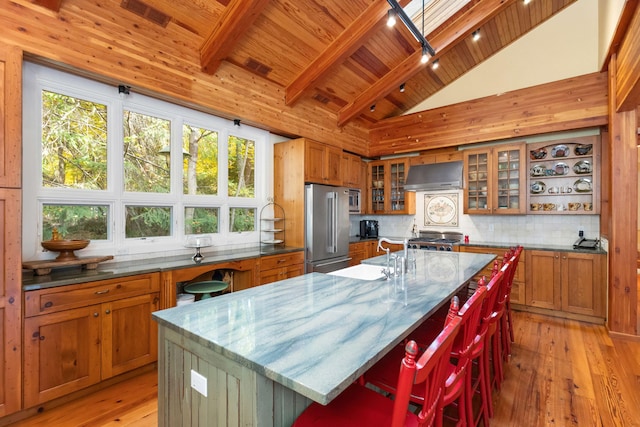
[11, 120]
[386, 188]
[322, 163]
[351, 170]
[437, 157]
[495, 180]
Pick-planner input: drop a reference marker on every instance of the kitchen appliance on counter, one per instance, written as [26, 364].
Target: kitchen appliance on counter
[368, 229]
[583, 243]
[326, 228]
[435, 240]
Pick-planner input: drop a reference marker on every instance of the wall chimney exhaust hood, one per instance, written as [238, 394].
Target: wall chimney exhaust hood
[434, 176]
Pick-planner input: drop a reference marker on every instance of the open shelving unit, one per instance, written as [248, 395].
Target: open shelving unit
[272, 222]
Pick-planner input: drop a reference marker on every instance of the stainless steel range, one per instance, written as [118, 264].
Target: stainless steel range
[435, 240]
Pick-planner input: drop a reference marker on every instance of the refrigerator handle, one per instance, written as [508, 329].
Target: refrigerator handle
[332, 230]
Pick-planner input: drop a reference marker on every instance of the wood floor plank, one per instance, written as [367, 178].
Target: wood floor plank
[561, 373]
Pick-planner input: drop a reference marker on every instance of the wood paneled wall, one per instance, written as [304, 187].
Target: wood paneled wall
[628, 68]
[117, 47]
[573, 103]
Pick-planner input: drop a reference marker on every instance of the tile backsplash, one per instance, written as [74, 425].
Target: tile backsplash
[511, 229]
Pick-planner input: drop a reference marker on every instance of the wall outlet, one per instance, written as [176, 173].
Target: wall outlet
[580, 232]
[199, 383]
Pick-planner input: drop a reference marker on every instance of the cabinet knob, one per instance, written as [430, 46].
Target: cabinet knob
[107, 311]
[96, 314]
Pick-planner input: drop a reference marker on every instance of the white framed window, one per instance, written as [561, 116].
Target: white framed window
[134, 174]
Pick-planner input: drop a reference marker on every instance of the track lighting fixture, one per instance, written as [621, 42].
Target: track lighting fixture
[435, 64]
[400, 13]
[402, 87]
[391, 18]
[526, 1]
[425, 55]
[475, 35]
[236, 122]
[372, 108]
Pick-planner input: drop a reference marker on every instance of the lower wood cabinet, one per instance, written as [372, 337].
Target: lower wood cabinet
[571, 282]
[518, 287]
[78, 335]
[359, 251]
[279, 267]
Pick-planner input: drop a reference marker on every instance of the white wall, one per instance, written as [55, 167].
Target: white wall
[564, 46]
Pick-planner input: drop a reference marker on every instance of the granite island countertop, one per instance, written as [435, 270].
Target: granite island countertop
[113, 270]
[317, 333]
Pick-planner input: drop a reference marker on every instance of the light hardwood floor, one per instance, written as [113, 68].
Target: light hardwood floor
[562, 373]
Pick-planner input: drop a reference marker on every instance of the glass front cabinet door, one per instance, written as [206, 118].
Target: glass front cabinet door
[495, 180]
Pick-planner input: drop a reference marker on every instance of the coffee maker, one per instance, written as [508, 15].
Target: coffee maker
[368, 228]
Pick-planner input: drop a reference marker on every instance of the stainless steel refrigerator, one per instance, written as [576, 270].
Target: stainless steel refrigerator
[326, 228]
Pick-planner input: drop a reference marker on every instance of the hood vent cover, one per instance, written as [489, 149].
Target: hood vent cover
[434, 176]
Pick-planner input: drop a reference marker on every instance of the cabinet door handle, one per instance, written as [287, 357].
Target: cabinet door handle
[105, 291]
[107, 311]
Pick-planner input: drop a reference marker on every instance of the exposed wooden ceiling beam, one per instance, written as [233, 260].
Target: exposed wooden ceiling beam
[49, 4]
[475, 17]
[235, 20]
[342, 46]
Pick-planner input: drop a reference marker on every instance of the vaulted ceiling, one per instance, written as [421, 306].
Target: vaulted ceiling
[340, 54]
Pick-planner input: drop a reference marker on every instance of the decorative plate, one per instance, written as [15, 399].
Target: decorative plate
[582, 149]
[538, 170]
[560, 151]
[583, 166]
[561, 168]
[538, 187]
[583, 185]
[538, 154]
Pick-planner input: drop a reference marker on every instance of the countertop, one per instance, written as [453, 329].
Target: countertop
[113, 270]
[316, 333]
[539, 247]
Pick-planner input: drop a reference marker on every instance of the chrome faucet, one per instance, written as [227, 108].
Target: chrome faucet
[403, 262]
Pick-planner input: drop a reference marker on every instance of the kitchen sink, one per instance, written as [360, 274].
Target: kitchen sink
[361, 271]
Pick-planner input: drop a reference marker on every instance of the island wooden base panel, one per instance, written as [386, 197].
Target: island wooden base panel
[562, 372]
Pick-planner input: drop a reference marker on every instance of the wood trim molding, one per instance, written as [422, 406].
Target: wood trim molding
[628, 67]
[574, 103]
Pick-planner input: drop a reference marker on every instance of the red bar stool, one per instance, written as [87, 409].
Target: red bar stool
[457, 390]
[361, 406]
[507, 319]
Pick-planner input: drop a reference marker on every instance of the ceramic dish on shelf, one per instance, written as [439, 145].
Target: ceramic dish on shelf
[582, 149]
[560, 151]
[561, 168]
[582, 185]
[581, 167]
[538, 154]
[538, 170]
[538, 187]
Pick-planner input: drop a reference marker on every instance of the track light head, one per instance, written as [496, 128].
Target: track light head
[125, 90]
[391, 18]
[435, 64]
[236, 122]
[402, 87]
[476, 35]
[425, 55]
[372, 108]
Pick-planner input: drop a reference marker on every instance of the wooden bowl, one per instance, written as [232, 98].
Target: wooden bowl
[65, 247]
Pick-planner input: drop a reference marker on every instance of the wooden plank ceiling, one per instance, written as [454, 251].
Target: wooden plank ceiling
[340, 53]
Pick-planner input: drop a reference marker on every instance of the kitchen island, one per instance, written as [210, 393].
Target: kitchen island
[261, 355]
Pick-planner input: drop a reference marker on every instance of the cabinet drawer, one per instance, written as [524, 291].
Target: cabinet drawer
[277, 261]
[73, 296]
[277, 274]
